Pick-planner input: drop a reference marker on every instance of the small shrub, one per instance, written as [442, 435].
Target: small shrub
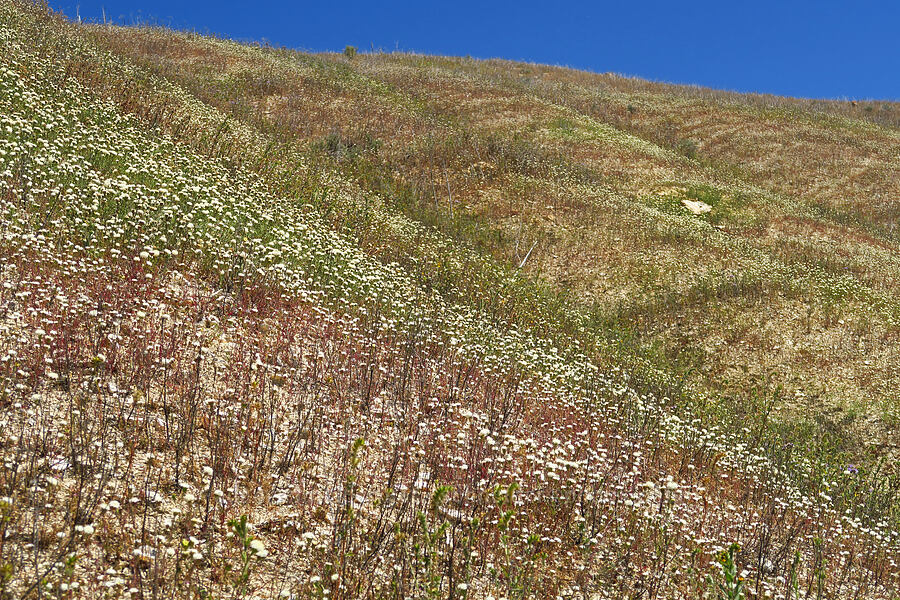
[687, 147]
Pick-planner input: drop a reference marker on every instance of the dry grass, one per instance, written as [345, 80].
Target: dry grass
[559, 160]
[435, 327]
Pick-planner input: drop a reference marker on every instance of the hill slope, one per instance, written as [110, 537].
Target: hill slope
[277, 323]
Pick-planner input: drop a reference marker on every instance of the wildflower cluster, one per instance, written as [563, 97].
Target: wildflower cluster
[208, 388]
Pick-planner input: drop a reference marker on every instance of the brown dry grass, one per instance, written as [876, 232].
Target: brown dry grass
[556, 157]
[769, 308]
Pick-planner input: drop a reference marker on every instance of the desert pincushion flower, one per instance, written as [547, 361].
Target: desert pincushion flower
[279, 393]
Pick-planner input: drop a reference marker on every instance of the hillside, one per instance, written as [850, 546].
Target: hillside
[281, 324]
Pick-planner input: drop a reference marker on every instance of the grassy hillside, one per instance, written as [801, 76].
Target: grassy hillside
[279, 324]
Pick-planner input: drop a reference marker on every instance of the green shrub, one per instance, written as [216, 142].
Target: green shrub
[687, 147]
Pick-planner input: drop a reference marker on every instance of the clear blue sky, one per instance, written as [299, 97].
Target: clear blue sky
[824, 49]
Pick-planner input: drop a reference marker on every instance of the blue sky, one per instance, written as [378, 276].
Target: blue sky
[825, 49]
